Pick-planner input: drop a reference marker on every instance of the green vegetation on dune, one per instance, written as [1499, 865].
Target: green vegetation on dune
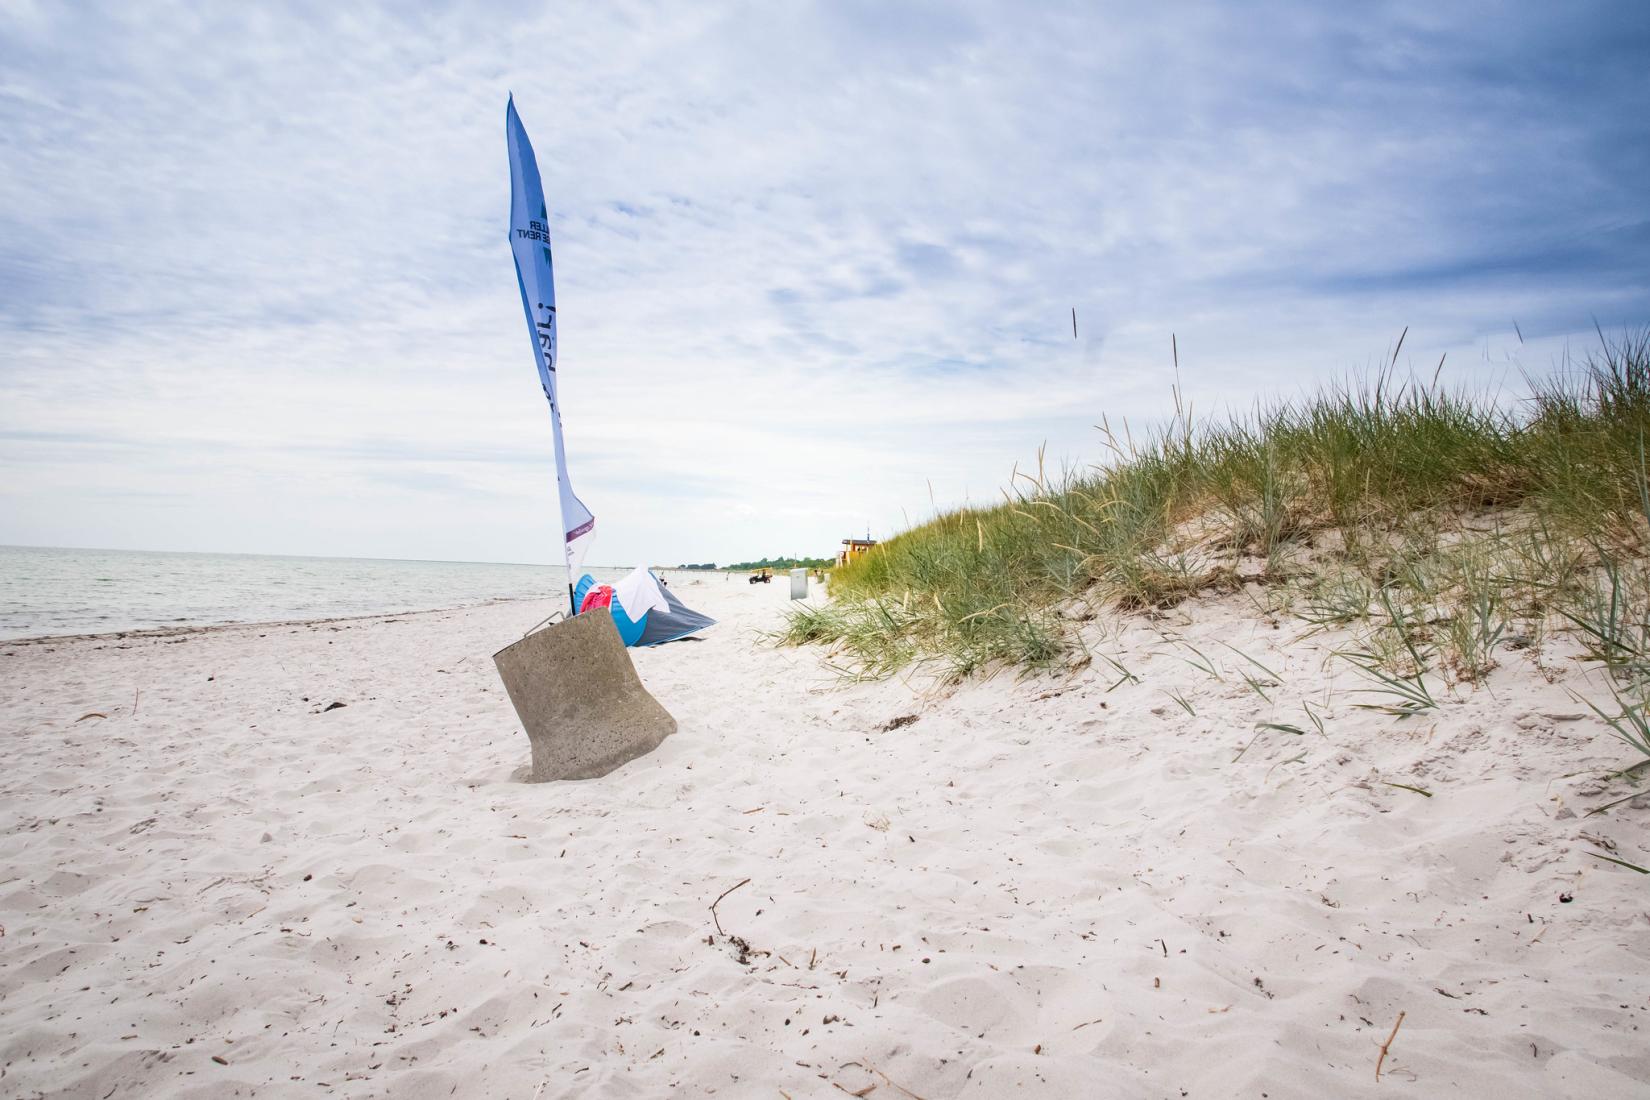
[1441, 527]
[782, 563]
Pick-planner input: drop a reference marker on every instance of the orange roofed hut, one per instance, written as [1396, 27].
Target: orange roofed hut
[854, 549]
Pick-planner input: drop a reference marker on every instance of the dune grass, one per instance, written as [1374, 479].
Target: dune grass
[1445, 526]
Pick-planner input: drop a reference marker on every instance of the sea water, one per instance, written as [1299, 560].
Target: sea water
[51, 591]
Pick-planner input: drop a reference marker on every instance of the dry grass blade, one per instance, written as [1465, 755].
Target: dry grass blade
[1619, 862]
[1262, 727]
[1407, 787]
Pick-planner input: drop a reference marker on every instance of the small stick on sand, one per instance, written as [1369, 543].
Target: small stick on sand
[894, 1083]
[718, 901]
[1388, 1044]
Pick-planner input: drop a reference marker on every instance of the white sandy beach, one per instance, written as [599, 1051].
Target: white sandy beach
[1036, 888]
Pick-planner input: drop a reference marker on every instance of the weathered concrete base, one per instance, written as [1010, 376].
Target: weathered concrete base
[579, 698]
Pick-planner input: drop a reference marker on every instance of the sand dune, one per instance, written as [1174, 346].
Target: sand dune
[1035, 888]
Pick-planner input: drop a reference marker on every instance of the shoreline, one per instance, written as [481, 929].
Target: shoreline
[206, 628]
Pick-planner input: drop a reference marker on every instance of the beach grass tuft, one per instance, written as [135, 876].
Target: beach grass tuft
[1442, 526]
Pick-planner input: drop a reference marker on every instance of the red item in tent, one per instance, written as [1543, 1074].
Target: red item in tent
[599, 596]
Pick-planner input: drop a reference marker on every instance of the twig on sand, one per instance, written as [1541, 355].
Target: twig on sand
[134, 700]
[892, 1082]
[1388, 1045]
[718, 901]
[872, 1087]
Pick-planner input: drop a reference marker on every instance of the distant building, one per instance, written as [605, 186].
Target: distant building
[854, 549]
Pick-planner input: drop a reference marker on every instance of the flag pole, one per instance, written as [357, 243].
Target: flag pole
[530, 244]
[567, 545]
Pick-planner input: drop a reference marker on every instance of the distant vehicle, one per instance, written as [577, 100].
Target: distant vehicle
[762, 576]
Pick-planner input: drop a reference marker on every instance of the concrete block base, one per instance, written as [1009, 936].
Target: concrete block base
[579, 699]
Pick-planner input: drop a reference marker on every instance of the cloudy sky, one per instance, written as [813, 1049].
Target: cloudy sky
[815, 262]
